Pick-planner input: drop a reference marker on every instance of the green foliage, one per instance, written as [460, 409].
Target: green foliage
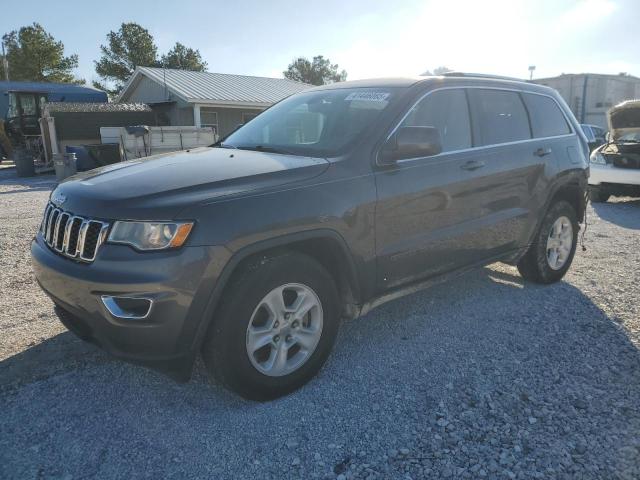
[34, 55]
[130, 47]
[133, 46]
[183, 58]
[320, 71]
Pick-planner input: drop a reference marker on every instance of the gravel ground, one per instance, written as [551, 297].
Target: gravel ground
[487, 378]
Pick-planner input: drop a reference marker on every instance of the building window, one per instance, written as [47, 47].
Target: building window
[209, 118]
[246, 117]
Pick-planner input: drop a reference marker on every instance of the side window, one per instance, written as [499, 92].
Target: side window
[588, 133]
[499, 116]
[447, 111]
[547, 119]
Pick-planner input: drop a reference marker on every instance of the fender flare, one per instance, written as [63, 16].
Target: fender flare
[570, 177]
[244, 253]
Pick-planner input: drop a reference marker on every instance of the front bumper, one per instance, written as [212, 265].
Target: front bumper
[610, 174]
[180, 283]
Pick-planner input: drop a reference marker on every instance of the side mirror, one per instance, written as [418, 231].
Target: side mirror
[412, 142]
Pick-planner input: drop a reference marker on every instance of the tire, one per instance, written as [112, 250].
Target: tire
[598, 195]
[245, 309]
[539, 264]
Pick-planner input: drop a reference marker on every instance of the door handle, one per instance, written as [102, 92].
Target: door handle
[473, 165]
[542, 152]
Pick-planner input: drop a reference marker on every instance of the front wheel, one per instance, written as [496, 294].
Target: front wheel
[551, 253]
[275, 328]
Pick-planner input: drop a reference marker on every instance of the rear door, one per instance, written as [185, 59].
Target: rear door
[553, 147]
[516, 167]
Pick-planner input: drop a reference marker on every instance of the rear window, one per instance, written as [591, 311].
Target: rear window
[547, 119]
[498, 116]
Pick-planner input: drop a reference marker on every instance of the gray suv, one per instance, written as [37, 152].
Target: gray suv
[324, 206]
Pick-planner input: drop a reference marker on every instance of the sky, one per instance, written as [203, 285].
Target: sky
[368, 38]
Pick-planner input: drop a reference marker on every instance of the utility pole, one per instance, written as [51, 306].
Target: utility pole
[5, 63]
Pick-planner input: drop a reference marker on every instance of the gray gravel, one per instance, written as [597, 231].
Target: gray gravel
[483, 377]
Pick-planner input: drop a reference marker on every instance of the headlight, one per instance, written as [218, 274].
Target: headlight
[598, 158]
[151, 235]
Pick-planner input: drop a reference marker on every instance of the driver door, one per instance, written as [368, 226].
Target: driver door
[427, 205]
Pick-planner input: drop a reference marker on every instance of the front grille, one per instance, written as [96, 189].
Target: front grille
[72, 236]
[621, 161]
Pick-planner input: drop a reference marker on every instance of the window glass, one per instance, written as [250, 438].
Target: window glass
[247, 117]
[209, 118]
[300, 127]
[588, 133]
[447, 111]
[547, 119]
[13, 106]
[320, 123]
[28, 104]
[498, 116]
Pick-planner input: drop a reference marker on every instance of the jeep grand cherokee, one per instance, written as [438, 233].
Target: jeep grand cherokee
[322, 207]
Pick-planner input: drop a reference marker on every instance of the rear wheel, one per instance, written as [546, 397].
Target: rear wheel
[598, 195]
[551, 253]
[275, 328]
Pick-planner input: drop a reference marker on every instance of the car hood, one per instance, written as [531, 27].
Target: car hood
[159, 187]
[624, 118]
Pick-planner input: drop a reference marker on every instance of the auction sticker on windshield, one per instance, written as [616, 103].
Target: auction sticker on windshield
[368, 96]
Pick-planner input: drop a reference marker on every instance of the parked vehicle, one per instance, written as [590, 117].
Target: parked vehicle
[21, 104]
[324, 206]
[615, 166]
[596, 136]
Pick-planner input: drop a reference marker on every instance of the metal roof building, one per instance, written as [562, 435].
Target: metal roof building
[218, 100]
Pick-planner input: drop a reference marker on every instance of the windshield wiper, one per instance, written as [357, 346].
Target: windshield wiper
[266, 149]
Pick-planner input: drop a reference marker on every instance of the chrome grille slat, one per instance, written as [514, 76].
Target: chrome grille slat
[47, 212]
[82, 236]
[59, 228]
[50, 225]
[67, 233]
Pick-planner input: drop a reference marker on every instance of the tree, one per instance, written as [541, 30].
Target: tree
[35, 55]
[133, 46]
[130, 47]
[183, 58]
[318, 72]
[437, 71]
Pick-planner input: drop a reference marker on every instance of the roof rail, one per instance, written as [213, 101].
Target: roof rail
[481, 75]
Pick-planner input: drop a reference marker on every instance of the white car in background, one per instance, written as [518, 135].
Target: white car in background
[615, 166]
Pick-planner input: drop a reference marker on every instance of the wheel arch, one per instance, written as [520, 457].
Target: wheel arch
[572, 189]
[326, 246]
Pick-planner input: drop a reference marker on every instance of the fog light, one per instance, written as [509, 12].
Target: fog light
[129, 308]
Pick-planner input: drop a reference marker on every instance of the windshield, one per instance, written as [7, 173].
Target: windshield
[315, 124]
